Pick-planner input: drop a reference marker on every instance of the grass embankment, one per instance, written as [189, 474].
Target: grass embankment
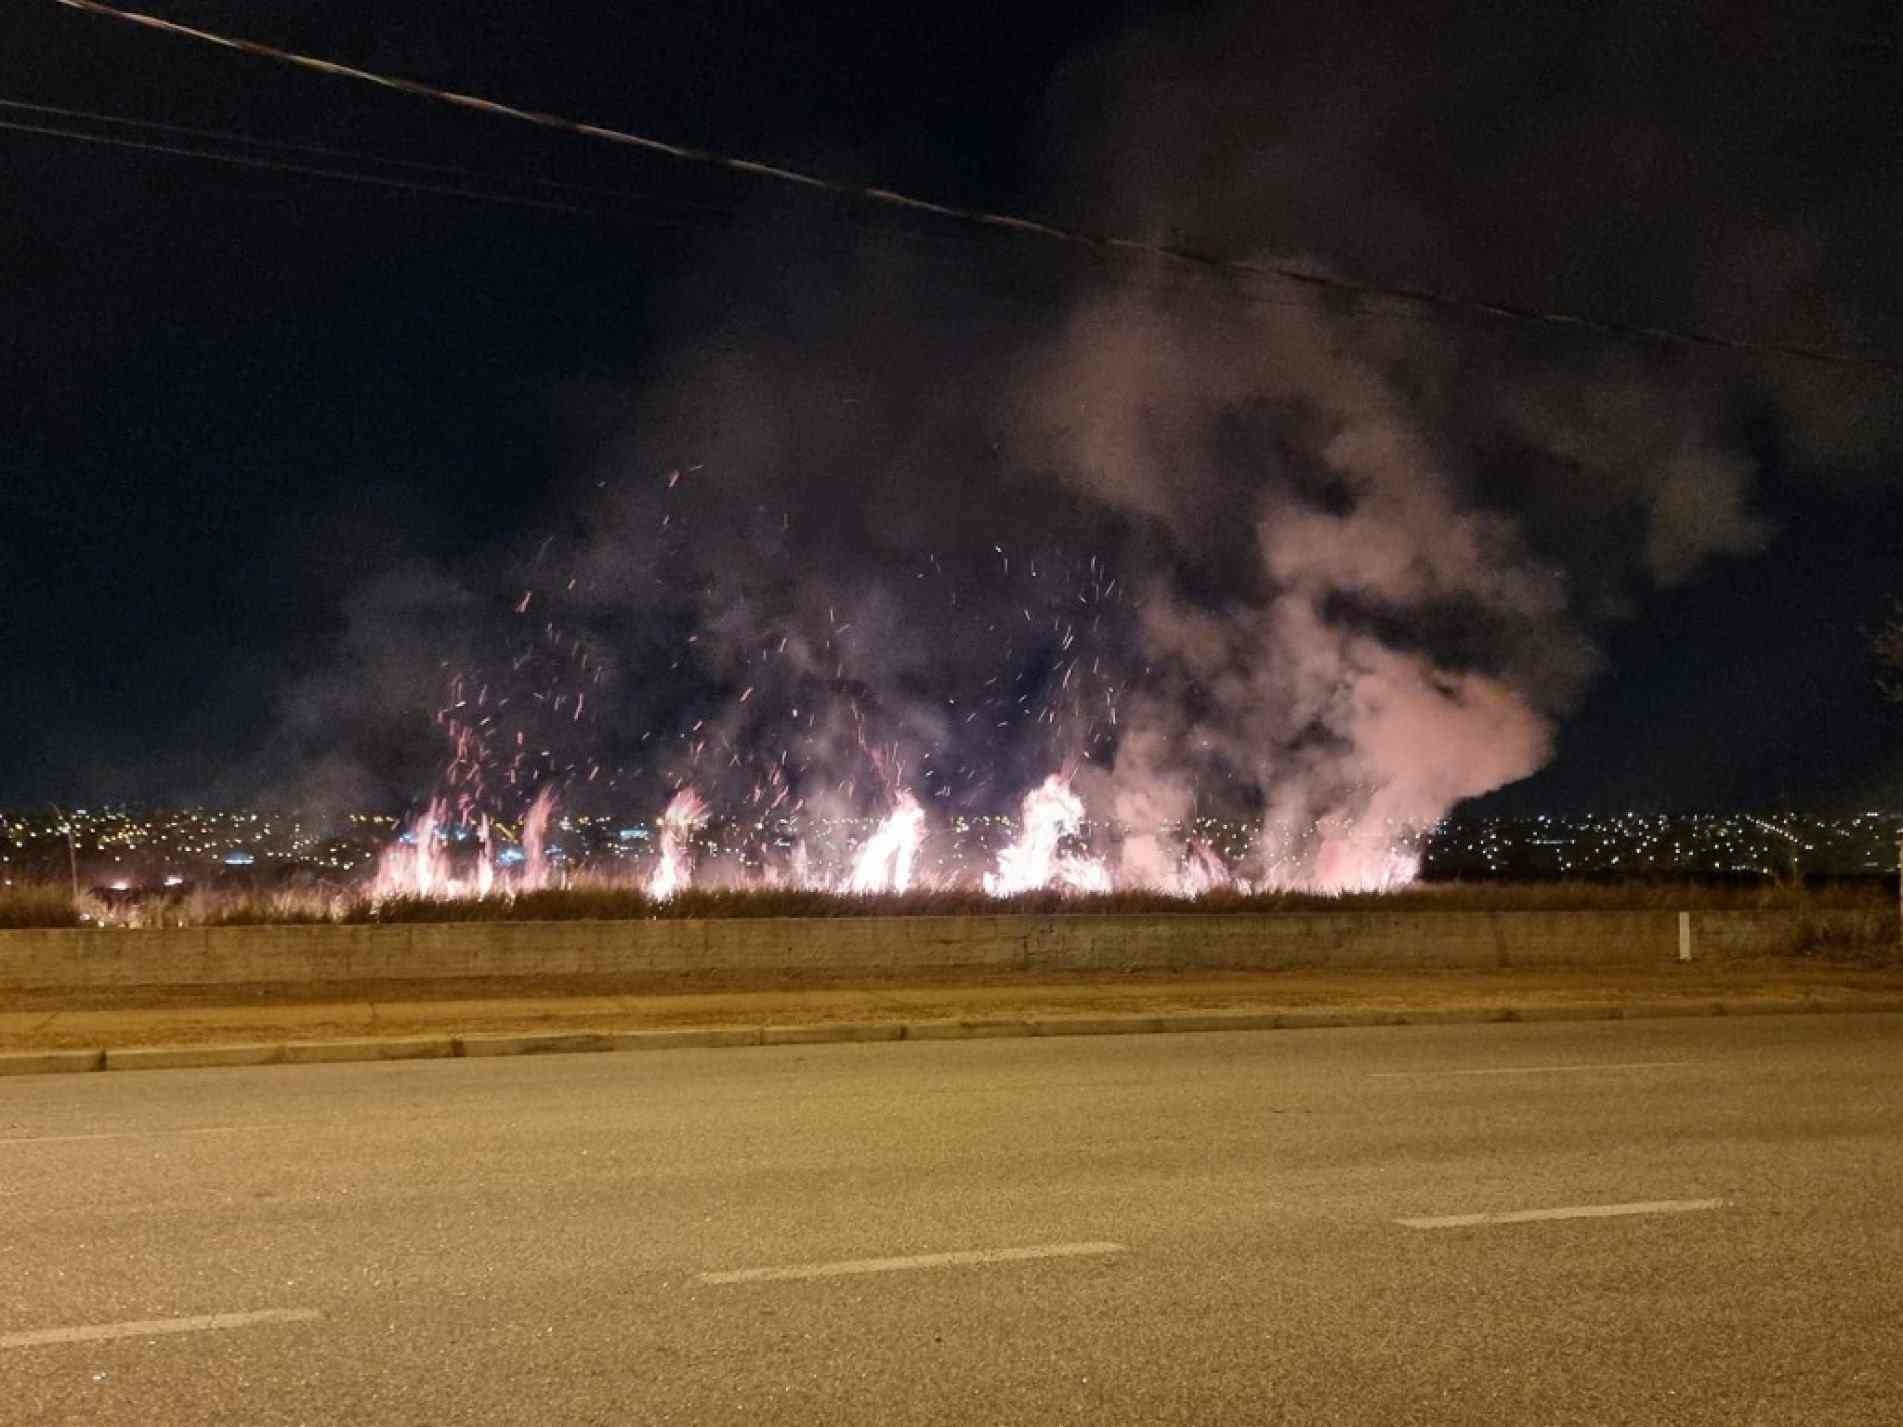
[53, 906]
[226, 1015]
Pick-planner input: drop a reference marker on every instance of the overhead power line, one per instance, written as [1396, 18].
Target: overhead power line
[278, 165]
[1100, 243]
[565, 199]
[123, 121]
[558, 196]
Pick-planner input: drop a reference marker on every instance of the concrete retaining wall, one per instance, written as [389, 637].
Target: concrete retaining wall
[1358, 939]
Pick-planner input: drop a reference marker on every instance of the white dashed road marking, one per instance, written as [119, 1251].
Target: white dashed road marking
[93, 1333]
[1580, 1211]
[968, 1256]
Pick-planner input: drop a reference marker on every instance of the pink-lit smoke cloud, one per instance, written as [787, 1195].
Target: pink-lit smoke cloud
[1323, 567]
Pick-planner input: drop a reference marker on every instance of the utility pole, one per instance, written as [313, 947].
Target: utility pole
[72, 857]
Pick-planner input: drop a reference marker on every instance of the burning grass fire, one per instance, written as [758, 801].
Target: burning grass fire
[1049, 852]
[772, 714]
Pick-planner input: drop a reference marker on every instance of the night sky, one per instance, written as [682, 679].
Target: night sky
[280, 452]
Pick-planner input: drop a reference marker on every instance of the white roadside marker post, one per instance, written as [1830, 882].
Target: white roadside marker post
[1684, 936]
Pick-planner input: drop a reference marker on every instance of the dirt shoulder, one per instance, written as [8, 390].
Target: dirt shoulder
[250, 1014]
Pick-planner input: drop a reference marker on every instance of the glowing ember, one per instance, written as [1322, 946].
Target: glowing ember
[685, 816]
[884, 862]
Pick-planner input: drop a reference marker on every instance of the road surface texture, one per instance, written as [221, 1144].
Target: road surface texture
[1358, 1226]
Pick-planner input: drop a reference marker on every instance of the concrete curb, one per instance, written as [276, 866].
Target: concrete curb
[337, 1052]
[713, 1037]
[54, 1062]
[192, 1057]
[984, 1028]
[828, 1032]
[550, 1043]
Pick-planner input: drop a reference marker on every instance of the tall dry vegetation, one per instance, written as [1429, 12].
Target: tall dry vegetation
[51, 905]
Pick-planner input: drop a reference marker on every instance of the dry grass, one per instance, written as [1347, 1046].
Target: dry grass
[622, 904]
[41, 904]
[53, 906]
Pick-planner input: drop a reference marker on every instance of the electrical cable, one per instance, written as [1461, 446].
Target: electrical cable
[281, 166]
[230, 136]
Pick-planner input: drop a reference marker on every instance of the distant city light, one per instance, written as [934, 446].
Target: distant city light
[176, 848]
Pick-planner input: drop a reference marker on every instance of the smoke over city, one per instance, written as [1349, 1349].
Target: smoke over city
[895, 514]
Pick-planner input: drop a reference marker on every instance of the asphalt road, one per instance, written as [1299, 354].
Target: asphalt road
[1210, 1227]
